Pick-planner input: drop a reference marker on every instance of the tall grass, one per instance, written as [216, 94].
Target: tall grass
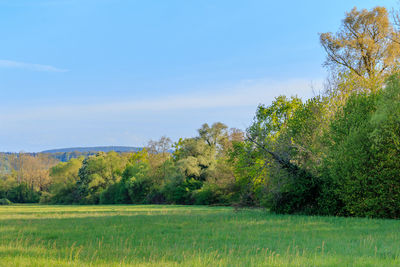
[128, 235]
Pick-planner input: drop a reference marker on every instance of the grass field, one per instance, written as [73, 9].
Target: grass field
[34, 235]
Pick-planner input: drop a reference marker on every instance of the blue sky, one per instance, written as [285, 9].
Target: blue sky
[113, 72]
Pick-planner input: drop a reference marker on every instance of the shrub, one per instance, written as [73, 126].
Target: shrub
[155, 196]
[22, 193]
[115, 194]
[5, 201]
[207, 195]
[179, 189]
[138, 190]
[362, 164]
[45, 198]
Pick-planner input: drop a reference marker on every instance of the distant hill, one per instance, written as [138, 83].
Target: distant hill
[94, 149]
[65, 154]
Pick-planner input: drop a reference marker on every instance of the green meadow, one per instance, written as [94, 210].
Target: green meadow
[156, 235]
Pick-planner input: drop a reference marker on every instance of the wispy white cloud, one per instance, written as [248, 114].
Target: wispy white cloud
[29, 66]
[133, 122]
[244, 93]
[247, 93]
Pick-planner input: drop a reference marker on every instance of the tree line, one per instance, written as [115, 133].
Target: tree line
[197, 172]
[336, 153]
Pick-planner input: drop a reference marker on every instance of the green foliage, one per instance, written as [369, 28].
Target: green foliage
[362, 163]
[175, 191]
[137, 183]
[275, 154]
[208, 194]
[269, 121]
[194, 156]
[64, 179]
[96, 174]
[5, 201]
[22, 193]
[139, 189]
[306, 162]
[115, 194]
[46, 198]
[178, 189]
[250, 174]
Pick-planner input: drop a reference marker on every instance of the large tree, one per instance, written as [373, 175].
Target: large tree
[363, 48]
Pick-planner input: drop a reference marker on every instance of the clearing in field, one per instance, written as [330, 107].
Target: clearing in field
[34, 235]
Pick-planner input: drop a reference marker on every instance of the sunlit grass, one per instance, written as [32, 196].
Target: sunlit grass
[35, 235]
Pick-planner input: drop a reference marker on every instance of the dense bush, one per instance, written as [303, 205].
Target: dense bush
[207, 195]
[325, 156]
[5, 201]
[45, 198]
[176, 190]
[115, 194]
[362, 162]
[23, 193]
